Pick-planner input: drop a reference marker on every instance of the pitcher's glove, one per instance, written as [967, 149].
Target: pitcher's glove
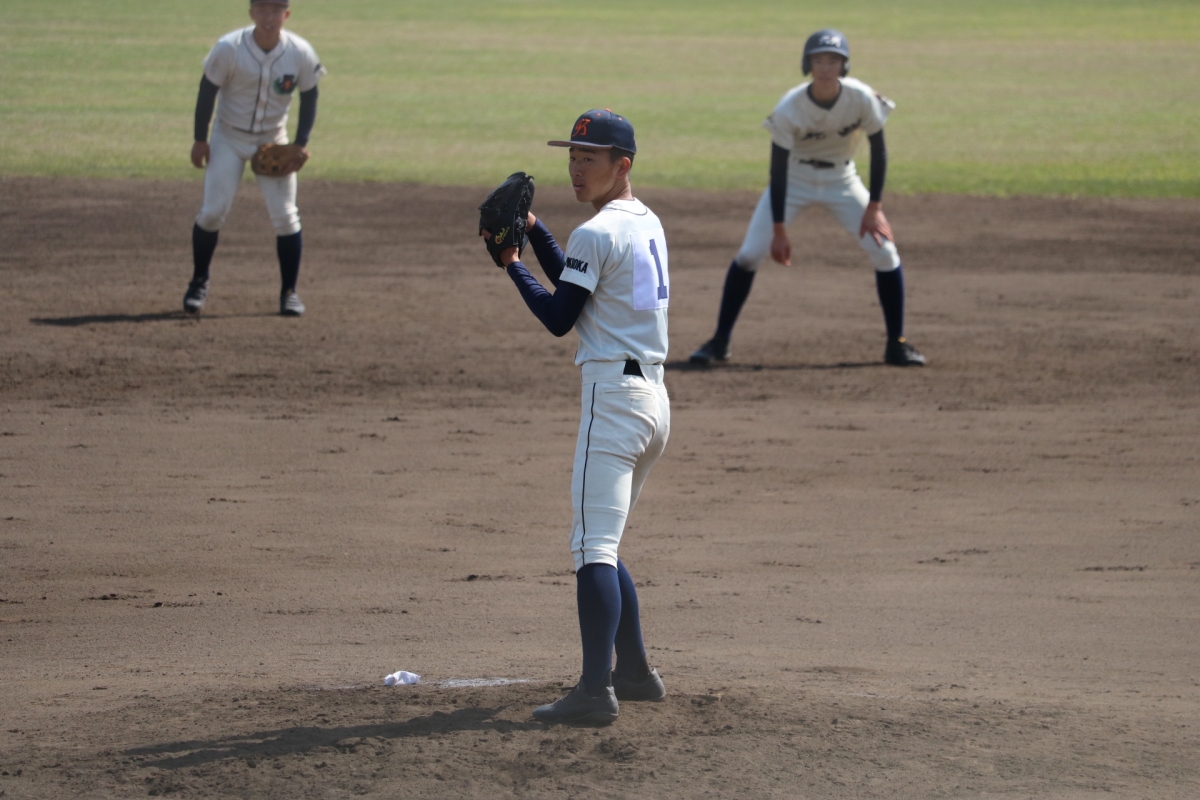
[277, 160]
[504, 215]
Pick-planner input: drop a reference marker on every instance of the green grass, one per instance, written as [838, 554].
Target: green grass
[1051, 97]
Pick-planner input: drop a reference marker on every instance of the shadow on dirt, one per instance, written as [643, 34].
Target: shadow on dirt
[687, 366]
[287, 741]
[104, 319]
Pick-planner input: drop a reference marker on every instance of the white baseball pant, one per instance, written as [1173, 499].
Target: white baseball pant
[839, 190]
[229, 150]
[622, 431]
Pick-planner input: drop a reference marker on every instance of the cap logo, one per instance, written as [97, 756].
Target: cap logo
[832, 41]
[580, 128]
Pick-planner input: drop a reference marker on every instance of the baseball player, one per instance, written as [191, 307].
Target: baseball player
[815, 130]
[251, 75]
[612, 286]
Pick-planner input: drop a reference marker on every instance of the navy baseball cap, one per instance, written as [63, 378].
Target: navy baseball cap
[600, 129]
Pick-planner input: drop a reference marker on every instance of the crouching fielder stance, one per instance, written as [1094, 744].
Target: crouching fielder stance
[253, 73]
[815, 130]
[612, 287]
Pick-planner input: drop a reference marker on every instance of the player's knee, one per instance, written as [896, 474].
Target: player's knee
[883, 259]
[210, 220]
[286, 225]
[747, 263]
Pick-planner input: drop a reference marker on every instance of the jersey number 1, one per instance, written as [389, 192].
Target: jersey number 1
[651, 281]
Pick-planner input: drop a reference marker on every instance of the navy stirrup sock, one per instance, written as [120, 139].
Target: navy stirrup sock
[891, 298]
[289, 248]
[204, 244]
[737, 288]
[598, 595]
[631, 651]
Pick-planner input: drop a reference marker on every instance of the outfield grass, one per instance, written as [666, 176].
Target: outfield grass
[1051, 97]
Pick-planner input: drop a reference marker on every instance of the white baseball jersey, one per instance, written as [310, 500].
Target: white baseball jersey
[812, 132]
[257, 87]
[620, 256]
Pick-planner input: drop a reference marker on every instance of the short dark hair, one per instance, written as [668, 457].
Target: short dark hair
[616, 154]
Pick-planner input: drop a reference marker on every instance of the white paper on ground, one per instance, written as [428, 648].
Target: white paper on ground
[401, 678]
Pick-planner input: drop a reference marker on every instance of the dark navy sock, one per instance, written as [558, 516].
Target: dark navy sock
[204, 244]
[631, 651]
[891, 298]
[737, 288]
[289, 248]
[598, 595]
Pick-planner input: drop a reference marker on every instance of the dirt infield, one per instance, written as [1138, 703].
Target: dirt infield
[217, 535]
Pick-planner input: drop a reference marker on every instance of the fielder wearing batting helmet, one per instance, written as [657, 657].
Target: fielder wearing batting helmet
[816, 129]
[826, 41]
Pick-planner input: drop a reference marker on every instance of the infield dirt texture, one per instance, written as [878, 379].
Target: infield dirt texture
[217, 535]
[980, 579]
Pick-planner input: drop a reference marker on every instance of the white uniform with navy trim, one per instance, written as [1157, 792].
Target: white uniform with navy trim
[620, 256]
[256, 90]
[832, 136]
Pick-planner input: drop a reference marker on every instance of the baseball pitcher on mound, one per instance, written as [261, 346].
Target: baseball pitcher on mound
[612, 287]
[251, 75]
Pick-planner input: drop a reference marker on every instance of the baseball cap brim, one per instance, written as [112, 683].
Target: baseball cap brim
[588, 145]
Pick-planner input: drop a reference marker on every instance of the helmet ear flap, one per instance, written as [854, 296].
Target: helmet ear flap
[845, 67]
[805, 65]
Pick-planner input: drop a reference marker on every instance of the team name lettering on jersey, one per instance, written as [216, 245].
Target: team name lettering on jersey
[849, 129]
[577, 265]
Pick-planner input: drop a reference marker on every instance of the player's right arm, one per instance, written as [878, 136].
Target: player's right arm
[559, 311]
[206, 101]
[781, 248]
[548, 253]
[219, 65]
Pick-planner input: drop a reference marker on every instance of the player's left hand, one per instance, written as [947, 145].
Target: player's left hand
[876, 224]
[504, 215]
[299, 159]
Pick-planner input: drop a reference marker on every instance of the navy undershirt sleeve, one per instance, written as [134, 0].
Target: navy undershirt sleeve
[558, 311]
[878, 165]
[308, 116]
[548, 253]
[779, 170]
[206, 101]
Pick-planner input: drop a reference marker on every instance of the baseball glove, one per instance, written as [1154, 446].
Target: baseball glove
[504, 215]
[277, 160]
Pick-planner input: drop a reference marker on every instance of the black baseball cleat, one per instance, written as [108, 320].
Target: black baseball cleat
[900, 353]
[649, 688]
[581, 708]
[193, 298]
[290, 305]
[715, 349]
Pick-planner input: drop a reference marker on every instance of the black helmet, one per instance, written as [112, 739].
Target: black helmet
[825, 41]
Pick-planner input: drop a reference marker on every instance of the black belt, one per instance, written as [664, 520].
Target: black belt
[633, 368]
[817, 164]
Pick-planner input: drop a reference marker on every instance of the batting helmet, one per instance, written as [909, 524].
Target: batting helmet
[825, 41]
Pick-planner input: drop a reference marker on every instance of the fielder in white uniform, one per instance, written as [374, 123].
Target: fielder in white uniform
[612, 287]
[815, 131]
[251, 74]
